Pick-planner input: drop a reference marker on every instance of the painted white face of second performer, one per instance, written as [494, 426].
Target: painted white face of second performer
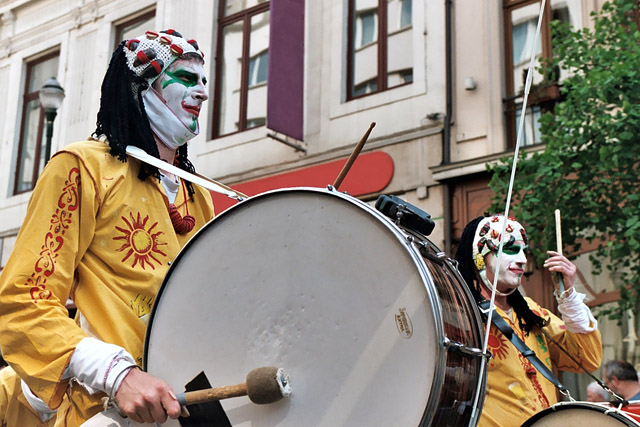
[512, 263]
[183, 87]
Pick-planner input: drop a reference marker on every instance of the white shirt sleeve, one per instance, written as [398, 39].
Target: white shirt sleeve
[575, 314]
[44, 412]
[97, 365]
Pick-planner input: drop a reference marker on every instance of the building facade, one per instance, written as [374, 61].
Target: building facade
[293, 87]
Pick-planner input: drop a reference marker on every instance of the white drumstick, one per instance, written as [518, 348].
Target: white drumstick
[200, 180]
[558, 232]
[559, 245]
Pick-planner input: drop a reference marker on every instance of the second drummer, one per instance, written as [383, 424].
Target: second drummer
[515, 389]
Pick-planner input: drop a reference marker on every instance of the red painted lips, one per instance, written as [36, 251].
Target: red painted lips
[193, 109]
[516, 270]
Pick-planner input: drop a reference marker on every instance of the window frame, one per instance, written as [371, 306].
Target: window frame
[27, 97]
[119, 27]
[223, 21]
[382, 75]
[546, 100]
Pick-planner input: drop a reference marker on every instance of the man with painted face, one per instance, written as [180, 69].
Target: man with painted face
[515, 389]
[102, 228]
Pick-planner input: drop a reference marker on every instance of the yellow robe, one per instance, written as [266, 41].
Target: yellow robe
[515, 389]
[15, 411]
[97, 233]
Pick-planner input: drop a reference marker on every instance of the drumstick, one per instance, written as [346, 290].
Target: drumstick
[559, 246]
[263, 385]
[352, 157]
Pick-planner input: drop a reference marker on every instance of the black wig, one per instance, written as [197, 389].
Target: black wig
[123, 119]
[527, 319]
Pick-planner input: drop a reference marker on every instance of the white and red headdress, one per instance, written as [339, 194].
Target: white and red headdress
[151, 53]
[487, 239]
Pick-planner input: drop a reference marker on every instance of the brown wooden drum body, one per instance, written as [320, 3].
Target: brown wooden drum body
[373, 325]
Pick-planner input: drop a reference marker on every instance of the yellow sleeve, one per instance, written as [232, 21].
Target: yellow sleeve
[5, 393]
[36, 335]
[585, 348]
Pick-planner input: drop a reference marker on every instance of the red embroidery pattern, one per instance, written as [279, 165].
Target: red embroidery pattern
[139, 241]
[533, 375]
[497, 344]
[53, 241]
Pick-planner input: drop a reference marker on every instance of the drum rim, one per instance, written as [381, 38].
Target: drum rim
[592, 406]
[404, 238]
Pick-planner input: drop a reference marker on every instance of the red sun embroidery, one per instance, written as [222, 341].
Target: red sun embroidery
[140, 242]
[497, 345]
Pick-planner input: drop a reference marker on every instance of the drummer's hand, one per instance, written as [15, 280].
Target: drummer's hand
[145, 398]
[560, 264]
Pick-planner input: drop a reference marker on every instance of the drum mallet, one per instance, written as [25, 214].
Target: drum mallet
[263, 385]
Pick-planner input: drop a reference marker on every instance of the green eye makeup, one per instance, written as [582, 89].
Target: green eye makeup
[514, 249]
[183, 77]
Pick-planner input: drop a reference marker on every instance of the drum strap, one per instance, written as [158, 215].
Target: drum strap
[520, 345]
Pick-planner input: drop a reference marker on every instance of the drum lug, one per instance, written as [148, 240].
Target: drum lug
[461, 348]
[437, 257]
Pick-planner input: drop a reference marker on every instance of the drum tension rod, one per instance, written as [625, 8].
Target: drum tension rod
[437, 257]
[461, 348]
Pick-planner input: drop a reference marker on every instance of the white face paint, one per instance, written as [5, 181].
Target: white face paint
[183, 88]
[512, 263]
[485, 252]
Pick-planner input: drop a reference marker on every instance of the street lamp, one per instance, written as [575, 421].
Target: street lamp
[51, 96]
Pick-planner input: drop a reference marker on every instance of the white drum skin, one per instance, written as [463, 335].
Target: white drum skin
[581, 414]
[321, 285]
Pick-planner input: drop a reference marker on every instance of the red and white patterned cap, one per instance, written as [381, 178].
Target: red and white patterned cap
[151, 53]
[487, 237]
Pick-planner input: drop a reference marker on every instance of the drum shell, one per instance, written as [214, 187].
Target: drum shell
[292, 222]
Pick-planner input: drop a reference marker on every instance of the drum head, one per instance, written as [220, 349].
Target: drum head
[580, 414]
[314, 282]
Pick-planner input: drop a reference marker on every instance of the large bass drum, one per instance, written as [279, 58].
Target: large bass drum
[373, 325]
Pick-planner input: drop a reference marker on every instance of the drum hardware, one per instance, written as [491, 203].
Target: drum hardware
[461, 348]
[332, 188]
[263, 386]
[405, 215]
[438, 257]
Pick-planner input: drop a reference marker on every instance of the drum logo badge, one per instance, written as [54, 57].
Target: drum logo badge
[403, 323]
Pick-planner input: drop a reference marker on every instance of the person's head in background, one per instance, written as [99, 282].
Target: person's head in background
[595, 393]
[622, 378]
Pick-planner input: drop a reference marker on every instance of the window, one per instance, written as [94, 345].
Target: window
[136, 26]
[31, 151]
[521, 20]
[258, 68]
[241, 66]
[380, 49]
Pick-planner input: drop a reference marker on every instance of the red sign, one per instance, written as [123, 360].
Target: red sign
[370, 173]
